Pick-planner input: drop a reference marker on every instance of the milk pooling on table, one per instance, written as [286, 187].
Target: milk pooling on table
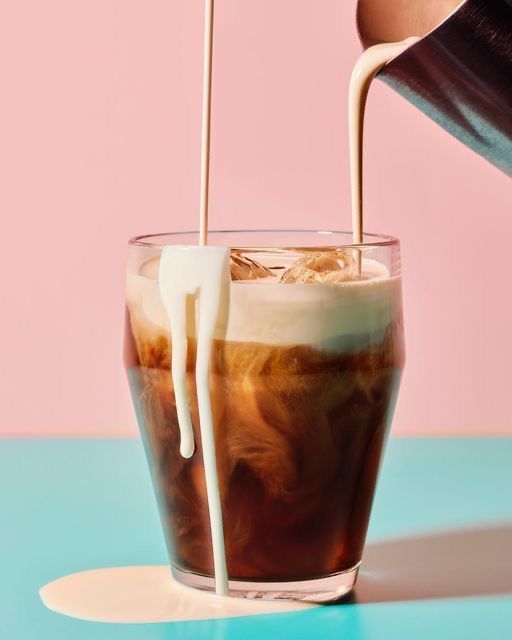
[135, 595]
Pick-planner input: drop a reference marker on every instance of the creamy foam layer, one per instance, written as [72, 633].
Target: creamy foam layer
[344, 315]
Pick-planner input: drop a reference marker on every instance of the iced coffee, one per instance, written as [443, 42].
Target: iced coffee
[304, 372]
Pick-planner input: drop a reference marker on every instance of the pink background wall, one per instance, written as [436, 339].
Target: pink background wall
[100, 125]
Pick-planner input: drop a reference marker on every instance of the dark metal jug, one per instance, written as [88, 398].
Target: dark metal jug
[460, 75]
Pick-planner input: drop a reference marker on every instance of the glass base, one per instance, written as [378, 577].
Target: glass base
[327, 589]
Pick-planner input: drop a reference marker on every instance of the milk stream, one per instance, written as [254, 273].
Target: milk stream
[202, 272]
[150, 594]
[368, 65]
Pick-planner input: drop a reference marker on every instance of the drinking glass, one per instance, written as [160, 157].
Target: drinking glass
[304, 375]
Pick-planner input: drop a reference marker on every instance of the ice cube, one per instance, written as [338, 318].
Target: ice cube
[244, 268]
[326, 266]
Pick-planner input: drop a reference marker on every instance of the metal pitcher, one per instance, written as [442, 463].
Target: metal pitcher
[459, 74]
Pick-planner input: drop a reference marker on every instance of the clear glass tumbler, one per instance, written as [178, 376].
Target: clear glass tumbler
[304, 376]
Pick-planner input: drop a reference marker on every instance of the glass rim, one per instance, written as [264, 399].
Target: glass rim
[375, 239]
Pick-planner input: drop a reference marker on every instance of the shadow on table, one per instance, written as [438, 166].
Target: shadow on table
[450, 564]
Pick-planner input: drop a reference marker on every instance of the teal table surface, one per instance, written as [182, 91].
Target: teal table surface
[438, 562]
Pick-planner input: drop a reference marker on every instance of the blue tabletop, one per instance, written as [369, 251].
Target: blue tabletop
[438, 562]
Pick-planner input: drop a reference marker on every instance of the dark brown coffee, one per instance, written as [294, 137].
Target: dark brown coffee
[299, 434]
